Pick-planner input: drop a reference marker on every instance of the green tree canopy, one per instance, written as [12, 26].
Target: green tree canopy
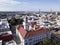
[14, 21]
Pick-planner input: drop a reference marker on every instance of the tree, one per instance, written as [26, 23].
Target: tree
[48, 41]
[14, 21]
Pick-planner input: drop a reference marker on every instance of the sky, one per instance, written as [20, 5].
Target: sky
[29, 5]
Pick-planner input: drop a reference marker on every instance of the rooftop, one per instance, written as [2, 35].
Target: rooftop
[6, 36]
[27, 34]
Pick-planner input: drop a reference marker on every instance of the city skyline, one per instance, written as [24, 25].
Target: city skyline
[29, 5]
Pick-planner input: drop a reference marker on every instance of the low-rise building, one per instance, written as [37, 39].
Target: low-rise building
[30, 34]
[4, 24]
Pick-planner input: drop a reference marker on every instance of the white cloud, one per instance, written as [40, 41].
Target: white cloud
[3, 2]
[10, 4]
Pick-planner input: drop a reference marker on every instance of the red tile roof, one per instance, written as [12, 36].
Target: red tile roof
[6, 37]
[27, 34]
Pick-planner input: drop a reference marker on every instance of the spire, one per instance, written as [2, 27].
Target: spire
[25, 23]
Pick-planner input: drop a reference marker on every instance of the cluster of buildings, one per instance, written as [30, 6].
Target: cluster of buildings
[34, 29]
[6, 37]
[30, 33]
[45, 20]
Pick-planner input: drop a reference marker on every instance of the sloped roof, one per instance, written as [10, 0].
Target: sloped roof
[6, 37]
[27, 34]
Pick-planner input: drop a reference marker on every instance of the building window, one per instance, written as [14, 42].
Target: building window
[30, 43]
[25, 43]
[30, 39]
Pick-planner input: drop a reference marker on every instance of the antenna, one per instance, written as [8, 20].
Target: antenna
[51, 11]
[39, 11]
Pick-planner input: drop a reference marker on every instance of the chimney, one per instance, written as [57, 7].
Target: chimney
[34, 27]
[30, 28]
[0, 42]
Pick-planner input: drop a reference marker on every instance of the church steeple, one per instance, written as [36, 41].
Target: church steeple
[25, 23]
